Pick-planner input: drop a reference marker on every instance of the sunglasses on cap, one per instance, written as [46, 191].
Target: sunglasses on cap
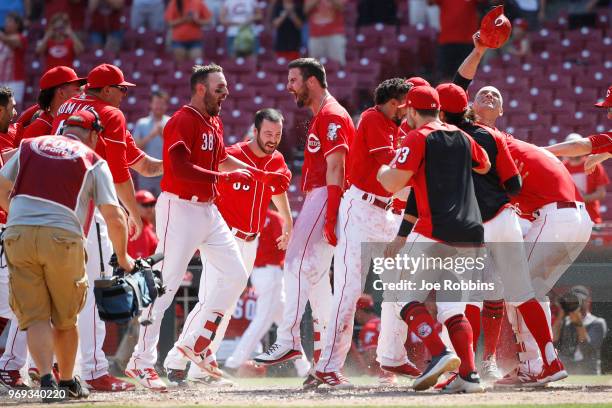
[121, 88]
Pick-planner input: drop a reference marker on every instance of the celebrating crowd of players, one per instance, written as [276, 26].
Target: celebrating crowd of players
[470, 182]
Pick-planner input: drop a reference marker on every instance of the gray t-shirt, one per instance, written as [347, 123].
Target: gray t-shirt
[26, 210]
[143, 128]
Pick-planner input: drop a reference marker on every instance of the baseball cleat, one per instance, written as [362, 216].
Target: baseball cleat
[386, 378]
[74, 388]
[333, 379]
[449, 379]
[276, 354]
[210, 381]
[177, 377]
[311, 382]
[406, 370]
[552, 372]
[440, 364]
[489, 371]
[108, 383]
[12, 379]
[464, 385]
[200, 361]
[517, 379]
[148, 378]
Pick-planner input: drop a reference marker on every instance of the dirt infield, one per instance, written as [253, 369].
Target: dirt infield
[286, 392]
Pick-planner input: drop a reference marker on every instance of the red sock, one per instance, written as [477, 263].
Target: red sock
[421, 323]
[535, 320]
[211, 327]
[472, 314]
[460, 334]
[3, 323]
[492, 317]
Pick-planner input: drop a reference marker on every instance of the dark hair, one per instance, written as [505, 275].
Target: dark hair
[428, 112]
[18, 19]
[394, 88]
[179, 6]
[160, 94]
[6, 94]
[200, 73]
[310, 67]
[45, 97]
[268, 114]
[457, 119]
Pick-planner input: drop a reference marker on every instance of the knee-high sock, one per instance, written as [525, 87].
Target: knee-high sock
[460, 333]
[535, 320]
[492, 317]
[472, 314]
[421, 323]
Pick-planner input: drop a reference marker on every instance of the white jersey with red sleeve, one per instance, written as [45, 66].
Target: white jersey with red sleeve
[244, 206]
[331, 129]
[111, 145]
[203, 139]
[375, 133]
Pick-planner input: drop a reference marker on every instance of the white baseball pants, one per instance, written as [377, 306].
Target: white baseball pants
[359, 222]
[306, 273]
[184, 226]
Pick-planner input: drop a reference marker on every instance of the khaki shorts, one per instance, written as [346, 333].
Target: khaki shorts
[46, 275]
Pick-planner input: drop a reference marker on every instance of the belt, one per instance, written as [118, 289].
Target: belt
[560, 205]
[244, 236]
[194, 198]
[380, 203]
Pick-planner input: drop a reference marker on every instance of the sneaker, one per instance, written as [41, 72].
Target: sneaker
[108, 383]
[440, 364]
[311, 382]
[464, 385]
[448, 380]
[148, 378]
[334, 379]
[177, 377]
[406, 370]
[48, 383]
[489, 371]
[552, 372]
[13, 379]
[386, 378]
[517, 379]
[74, 388]
[277, 354]
[211, 381]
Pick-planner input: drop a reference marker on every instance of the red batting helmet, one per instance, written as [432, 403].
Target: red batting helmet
[495, 28]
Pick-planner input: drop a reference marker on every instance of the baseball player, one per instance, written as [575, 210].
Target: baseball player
[600, 145]
[312, 244]
[246, 222]
[187, 219]
[267, 281]
[365, 215]
[448, 213]
[105, 90]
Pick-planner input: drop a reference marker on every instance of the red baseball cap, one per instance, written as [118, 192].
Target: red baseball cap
[422, 97]
[59, 76]
[365, 302]
[106, 75]
[145, 197]
[495, 28]
[453, 98]
[606, 103]
[84, 119]
[417, 81]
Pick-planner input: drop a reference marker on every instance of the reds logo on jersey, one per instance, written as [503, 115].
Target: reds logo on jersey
[313, 144]
[332, 132]
[424, 330]
[57, 149]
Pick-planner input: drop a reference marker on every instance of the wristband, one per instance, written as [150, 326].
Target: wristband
[405, 228]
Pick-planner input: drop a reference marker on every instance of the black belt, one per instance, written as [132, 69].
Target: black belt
[381, 204]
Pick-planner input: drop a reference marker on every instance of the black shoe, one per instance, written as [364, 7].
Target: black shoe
[176, 377]
[74, 388]
[440, 364]
[50, 391]
[311, 382]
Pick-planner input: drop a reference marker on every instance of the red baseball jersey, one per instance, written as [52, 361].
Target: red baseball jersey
[111, 145]
[24, 120]
[368, 335]
[548, 180]
[267, 249]
[132, 152]
[587, 184]
[244, 206]
[404, 129]
[375, 133]
[442, 157]
[330, 130]
[145, 244]
[41, 126]
[602, 143]
[7, 143]
[203, 138]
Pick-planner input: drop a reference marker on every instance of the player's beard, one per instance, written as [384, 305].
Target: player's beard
[265, 148]
[211, 104]
[302, 97]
